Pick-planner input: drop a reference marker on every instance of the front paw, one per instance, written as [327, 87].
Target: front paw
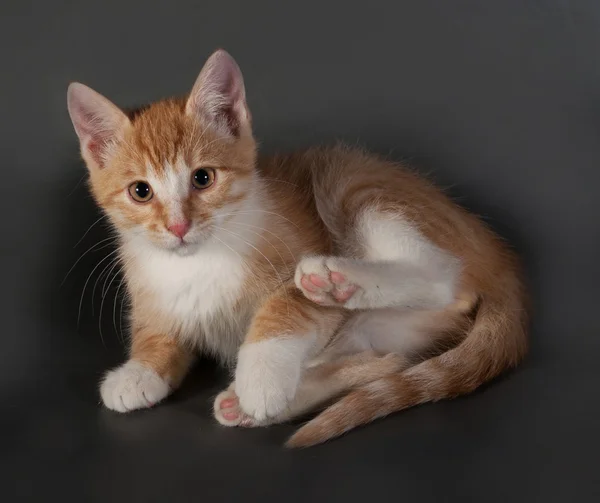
[132, 386]
[267, 376]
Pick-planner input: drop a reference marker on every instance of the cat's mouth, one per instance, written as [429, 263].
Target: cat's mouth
[185, 247]
[189, 244]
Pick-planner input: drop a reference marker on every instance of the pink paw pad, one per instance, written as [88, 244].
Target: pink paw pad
[228, 403]
[230, 415]
[337, 278]
[307, 285]
[344, 295]
[318, 281]
[323, 283]
[229, 408]
[314, 283]
[228, 412]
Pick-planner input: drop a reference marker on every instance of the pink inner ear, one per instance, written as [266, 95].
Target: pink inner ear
[228, 116]
[95, 150]
[97, 137]
[218, 94]
[96, 120]
[96, 143]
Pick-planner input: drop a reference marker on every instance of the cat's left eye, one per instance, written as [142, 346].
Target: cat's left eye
[203, 178]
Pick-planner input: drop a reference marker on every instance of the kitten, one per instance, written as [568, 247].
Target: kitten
[325, 277]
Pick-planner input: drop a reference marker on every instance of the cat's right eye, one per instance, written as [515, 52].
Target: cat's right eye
[140, 192]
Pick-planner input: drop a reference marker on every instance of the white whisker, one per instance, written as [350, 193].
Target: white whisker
[253, 278]
[267, 259]
[99, 278]
[115, 263]
[86, 283]
[112, 239]
[283, 261]
[121, 315]
[88, 230]
[244, 212]
[242, 259]
[277, 180]
[104, 294]
[272, 234]
[115, 308]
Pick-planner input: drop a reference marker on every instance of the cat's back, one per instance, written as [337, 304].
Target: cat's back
[333, 184]
[339, 180]
[318, 171]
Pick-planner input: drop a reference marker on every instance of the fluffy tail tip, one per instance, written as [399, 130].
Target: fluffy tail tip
[352, 410]
[309, 435]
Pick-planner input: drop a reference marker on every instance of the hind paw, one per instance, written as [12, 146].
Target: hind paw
[324, 281]
[227, 411]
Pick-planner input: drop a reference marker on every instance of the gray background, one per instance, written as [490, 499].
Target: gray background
[498, 100]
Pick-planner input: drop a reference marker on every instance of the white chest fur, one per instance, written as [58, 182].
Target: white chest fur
[198, 293]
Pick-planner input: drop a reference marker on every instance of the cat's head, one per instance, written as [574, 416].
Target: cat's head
[170, 173]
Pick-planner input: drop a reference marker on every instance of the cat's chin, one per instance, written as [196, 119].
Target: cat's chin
[181, 249]
[185, 249]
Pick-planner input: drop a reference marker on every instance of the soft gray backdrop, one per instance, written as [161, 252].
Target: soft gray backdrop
[499, 101]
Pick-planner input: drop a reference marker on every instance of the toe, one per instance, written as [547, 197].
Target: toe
[231, 415]
[337, 278]
[318, 281]
[308, 285]
[344, 295]
[228, 403]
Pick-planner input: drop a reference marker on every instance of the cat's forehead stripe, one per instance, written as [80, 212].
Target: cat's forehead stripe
[160, 132]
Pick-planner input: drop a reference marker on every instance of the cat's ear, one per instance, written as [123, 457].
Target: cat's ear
[99, 124]
[218, 97]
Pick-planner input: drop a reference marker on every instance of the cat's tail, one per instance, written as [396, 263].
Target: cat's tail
[497, 341]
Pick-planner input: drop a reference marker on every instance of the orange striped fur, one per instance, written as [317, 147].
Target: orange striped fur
[325, 277]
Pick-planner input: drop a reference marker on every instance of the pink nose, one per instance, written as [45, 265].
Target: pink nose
[180, 229]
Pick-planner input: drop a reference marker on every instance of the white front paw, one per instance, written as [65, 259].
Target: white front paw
[267, 375]
[132, 386]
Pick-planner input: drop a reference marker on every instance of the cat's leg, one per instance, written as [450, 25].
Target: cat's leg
[156, 366]
[396, 267]
[319, 385]
[286, 332]
[362, 284]
[370, 344]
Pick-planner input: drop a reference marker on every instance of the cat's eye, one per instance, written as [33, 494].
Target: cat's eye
[203, 178]
[140, 192]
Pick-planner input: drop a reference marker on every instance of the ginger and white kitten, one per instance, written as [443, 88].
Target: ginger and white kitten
[328, 276]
